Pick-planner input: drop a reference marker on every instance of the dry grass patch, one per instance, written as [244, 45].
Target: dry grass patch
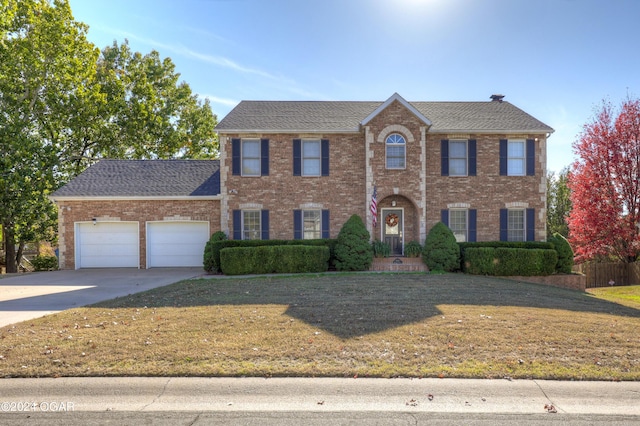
[375, 325]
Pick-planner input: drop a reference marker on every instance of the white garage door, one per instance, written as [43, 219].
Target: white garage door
[107, 245]
[176, 243]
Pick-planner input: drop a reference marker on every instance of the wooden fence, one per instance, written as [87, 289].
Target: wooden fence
[608, 274]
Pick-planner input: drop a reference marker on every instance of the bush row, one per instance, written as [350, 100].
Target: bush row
[506, 261]
[213, 248]
[270, 259]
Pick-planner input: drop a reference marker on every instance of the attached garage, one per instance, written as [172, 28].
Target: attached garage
[147, 214]
[107, 245]
[171, 244]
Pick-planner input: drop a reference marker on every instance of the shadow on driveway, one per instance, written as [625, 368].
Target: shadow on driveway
[33, 295]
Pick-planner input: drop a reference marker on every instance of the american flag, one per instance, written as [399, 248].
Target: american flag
[374, 206]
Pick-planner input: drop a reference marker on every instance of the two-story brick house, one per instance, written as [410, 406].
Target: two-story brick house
[300, 169]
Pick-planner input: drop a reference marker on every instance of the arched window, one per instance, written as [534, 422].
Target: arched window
[396, 150]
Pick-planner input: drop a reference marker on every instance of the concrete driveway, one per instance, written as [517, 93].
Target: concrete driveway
[32, 295]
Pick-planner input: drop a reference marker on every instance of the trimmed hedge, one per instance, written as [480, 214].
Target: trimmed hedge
[268, 259]
[504, 261]
[213, 248]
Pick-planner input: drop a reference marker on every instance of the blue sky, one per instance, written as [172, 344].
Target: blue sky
[555, 59]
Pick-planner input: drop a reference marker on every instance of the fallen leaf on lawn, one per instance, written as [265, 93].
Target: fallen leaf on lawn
[411, 402]
[430, 397]
[550, 408]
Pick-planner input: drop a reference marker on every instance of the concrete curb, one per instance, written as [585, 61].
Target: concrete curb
[325, 395]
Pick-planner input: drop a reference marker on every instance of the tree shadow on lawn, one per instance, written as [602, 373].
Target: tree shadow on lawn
[357, 304]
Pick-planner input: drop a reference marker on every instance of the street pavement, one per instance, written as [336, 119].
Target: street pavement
[181, 400]
[32, 295]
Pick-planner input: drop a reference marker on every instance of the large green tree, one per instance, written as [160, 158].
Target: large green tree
[558, 203]
[45, 60]
[64, 105]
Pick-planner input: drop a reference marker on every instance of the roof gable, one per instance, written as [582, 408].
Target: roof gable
[145, 178]
[403, 102]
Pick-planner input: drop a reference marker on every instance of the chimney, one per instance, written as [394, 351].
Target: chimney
[497, 98]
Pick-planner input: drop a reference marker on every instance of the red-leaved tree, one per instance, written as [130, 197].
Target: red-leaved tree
[605, 186]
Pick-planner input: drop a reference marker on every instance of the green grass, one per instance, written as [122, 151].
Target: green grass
[341, 325]
[628, 295]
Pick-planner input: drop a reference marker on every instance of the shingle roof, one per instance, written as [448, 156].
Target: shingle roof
[336, 116]
[145, 178]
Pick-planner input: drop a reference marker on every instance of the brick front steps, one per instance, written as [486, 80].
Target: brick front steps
[398, 264]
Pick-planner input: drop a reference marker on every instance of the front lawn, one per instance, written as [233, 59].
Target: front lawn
[344, 325]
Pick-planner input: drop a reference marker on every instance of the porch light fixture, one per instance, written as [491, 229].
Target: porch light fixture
[393, 203]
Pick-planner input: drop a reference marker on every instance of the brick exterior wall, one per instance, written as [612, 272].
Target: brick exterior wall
[358, 162]
[342, 192]
[140, 211]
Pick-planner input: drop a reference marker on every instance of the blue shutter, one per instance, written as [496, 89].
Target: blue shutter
[504, 224]
[325, 223]
[237, 224]
[297, 157]
[473, 219]
[264, 157]
[297, 224]
[531, 224]
[264, 223]
[444, 216]
[235, 157]
[472, 156]
[531, 157]
[324, 147]
[444, 157]
[503, 157]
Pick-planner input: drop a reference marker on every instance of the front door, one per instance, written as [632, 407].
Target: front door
[393, 230]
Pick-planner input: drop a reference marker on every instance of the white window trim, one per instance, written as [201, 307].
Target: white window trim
[242, 228]
[524, 225]
[242, 157]
[523, 158]
[319, 212]
[386, 151]
[319, 158]
[466, 223]
[466, 157]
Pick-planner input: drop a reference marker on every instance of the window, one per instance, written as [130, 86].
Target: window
[457, 158]
[515, 225]
[251, 225]
[310, 157]
[515, 158]
[310, 224]
[458, 224]
[311, 228]
[396, 148]
[462, 222]
[249, 157]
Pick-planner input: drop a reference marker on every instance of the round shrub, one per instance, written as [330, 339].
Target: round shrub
[441, 251]
[353, 250]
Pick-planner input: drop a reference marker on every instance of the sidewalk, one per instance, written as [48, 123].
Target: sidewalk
[322, 395]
